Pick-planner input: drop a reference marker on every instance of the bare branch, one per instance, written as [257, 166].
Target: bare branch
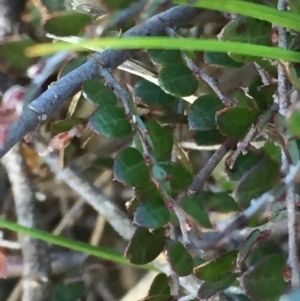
[37, 269]
[66, 87]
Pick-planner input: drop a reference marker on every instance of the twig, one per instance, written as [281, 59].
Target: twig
[66, 87]
[265, 78]
[92, 195]
[206, 171]
[293, 241]
[37, 269]
[284, 103]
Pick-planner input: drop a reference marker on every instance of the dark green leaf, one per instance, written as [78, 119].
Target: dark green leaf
[98, 93]
[243, 164]
[13, 53]
[164, 57]
[261, 250]
[195, 209]
[180, 259]
[145, 246]
[293, 121]
[178, 80]
[220, 59]
[68, 291]
[256, 181]
[162, 139]
[247, 30]
[265, 282]
[207, 138]
[130, 168]
[211, 288]
[236, 121]
[73, 23]
[216, 268]
[180, 177]
[262, 94]
[152, 213]
[72, 65]
[273, 151]
[152, 94]
[110, 121]
[245, 100]
[217, 201]
[160, 286]
[202, 113]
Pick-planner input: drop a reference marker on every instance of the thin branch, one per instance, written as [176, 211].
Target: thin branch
[293, 241]
[66, 87]
[284, 104]
[91, 194]
[37, 269]
[206, 171]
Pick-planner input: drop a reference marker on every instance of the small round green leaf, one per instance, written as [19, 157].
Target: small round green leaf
[97, 93]
[110, 121]
[67, 24]
[216, 268]
[13, 53]
[293, 121]
[211, 288]
[152, 94]
[130, 168]
[152, 214]
[216, 201]
[178, 80]
[258, 180]
[145, 246]
[202, 113]
[160, 286]
[265, 280]
[236, 121]
[164, 57]
[162, 139]
[180, 259]
[196, 211]
[243, 164]
[220, 59]
[180, 177]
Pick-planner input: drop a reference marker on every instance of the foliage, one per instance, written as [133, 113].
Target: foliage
[175, 101]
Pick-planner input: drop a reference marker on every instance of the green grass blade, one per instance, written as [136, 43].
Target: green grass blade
[249, 9]
[168, 43]
[71, 244]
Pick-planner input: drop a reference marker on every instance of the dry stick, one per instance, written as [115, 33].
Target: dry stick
[66, 87]
[37, 268]
[93, 196]
[284, 103]
[105, 207]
